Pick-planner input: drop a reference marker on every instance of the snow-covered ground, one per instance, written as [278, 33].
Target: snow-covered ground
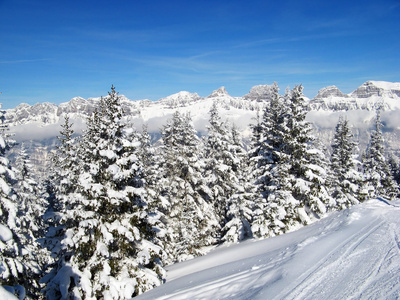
[351, 254]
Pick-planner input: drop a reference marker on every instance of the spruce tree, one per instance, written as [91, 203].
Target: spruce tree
[223, 162]
[12, 269]
[274, 208]
[240, 204]
[156, 204]
[246, 215]
[191, 218]
[379, 179]
[107, 246]
[58, 191]
[347, 179]
[31, 227]
[290, 170]
[308, 163]
[395, 168]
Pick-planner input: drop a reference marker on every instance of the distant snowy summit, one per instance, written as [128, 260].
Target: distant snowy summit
[378, 88]
[221, 92]
[330, 91]
[179, 99]
[260, 92]
[369, 96]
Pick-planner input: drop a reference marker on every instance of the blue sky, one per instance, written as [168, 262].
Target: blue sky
[55, 50]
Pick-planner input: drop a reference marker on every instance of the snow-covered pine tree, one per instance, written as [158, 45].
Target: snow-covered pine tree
[308, 163]
[379, 179]
[157, 206]
[223, 163]
[395, 168]
[290, 171]
[239, 205]
[12, 269]
[108, 250]
[65, 160]
[274, 208]
[347, 180]
[57, 190]
[191, 219]
[246, 208]
[31, 207]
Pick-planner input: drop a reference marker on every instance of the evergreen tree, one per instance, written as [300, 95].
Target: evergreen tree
[191, 219]
[223, 161]
[31, 208]
[308, 163]
[12, 270]
[31, 205]
[379, 179]
[239, 205]
[290, 171]
[107, 246]
[157, 205]
[246, 214]
[395, 168]
[347, 179]
[58, 192]
[274, 208]
[65, 161]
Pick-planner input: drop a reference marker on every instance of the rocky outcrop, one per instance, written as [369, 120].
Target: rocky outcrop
[369, 96]
[221, 92]
[330, 91]
[261, 92]
[377, 88]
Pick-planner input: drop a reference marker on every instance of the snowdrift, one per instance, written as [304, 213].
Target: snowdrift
[350, 254]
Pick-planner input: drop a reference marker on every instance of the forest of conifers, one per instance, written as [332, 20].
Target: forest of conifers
[115, 209]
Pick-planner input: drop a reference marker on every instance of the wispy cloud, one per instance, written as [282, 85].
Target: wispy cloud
[21, 61]
[291, 39]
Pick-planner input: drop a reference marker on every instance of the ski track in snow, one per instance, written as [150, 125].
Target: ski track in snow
[351, 254]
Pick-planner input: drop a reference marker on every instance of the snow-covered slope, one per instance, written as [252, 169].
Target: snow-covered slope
[351, 254]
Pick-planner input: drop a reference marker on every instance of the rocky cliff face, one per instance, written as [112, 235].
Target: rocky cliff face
[25, 113]
[377, 89]
[330, 91]
[369, 96]
[260, 92]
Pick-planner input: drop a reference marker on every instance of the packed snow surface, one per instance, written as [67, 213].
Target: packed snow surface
[350, 254]
[6, 295]
[5, 233]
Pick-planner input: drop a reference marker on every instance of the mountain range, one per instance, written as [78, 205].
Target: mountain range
[38, 125]
[369, 96]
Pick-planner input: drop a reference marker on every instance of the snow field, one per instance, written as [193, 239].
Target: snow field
[350, 254]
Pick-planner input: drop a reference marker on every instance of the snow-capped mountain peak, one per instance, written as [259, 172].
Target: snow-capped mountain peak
[369, 96]
[179, 99]
[330, 91]
[377, 88]
[221, 92]
[260, 92]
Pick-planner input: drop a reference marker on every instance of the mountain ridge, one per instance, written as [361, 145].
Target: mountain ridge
[369, 96]
[38, 125]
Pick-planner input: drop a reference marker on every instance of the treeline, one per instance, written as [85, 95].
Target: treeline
[116, 209]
